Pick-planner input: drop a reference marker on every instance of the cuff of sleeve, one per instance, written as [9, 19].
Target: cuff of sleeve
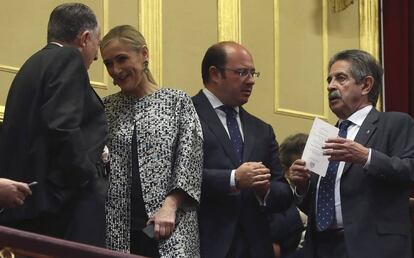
[366, 166]
[263, 202]
[105, 155]
[299, 197]
[233, 186]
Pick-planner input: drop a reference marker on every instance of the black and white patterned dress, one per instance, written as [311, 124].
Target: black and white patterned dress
[169, 147]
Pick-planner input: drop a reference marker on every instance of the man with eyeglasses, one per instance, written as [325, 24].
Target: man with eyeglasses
[242, 175]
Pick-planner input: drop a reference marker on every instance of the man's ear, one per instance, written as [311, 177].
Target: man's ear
[83, 38]
[367, 84]
[215, 74]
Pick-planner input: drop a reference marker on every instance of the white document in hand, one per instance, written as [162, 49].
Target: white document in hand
[313, 153]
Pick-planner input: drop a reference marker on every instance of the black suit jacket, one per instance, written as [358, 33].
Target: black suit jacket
[374, 201]
[286, 229]
[54, 131]
[221, 210]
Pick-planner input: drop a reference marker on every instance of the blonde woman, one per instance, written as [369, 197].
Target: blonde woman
[155, 143]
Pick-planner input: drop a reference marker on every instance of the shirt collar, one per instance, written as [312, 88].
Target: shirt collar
[214, 101]
[56, 43]
[359, 116]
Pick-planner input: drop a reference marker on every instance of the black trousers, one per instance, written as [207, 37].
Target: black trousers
[239, 246]
[141, 244]
[330, 244]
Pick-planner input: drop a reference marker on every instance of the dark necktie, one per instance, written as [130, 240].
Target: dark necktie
[234, 130]
[325, 211]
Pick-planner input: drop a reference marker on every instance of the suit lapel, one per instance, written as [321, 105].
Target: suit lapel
[209, 116]
[367, 129]
[248, 133]
[97, 96]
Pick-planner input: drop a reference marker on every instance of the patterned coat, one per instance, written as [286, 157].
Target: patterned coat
[169, 142]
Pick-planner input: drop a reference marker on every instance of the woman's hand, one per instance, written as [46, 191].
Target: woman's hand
[164, 218]
[164, 222]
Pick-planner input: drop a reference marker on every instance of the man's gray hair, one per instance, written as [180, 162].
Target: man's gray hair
[362, 65]
[68, 20]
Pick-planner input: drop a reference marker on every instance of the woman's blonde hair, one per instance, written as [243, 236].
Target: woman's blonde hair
[128, 35]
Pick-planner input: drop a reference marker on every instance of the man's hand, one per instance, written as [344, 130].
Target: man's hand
[299, 176]
[340, 149]
[252, 174]
[13, 193]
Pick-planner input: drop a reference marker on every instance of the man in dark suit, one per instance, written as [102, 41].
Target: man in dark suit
[367, 212]
[54, 132]
[242, 175]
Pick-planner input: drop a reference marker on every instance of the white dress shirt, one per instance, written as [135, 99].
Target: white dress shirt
[56, 43]
[216, 103]
[357, 119]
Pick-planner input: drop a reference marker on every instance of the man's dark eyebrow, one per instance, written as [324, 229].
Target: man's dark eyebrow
[329, 78]
[341, 73]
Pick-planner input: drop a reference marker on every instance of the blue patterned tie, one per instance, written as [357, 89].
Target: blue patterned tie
[325, 211]
[234, 131]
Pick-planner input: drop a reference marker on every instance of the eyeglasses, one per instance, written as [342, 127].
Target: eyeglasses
[242, 72]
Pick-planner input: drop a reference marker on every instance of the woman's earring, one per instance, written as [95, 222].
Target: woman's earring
[146, 66]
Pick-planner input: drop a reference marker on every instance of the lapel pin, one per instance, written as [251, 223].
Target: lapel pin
[368, 131]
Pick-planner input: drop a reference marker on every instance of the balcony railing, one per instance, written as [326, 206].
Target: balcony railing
[18, 243]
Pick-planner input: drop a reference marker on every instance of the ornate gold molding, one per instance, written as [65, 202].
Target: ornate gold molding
[8, 69]
[325, 58]
[1, 113]
[150, 25]
[229, 20]
[105, 27]
[96, 84]
[369, 31]
[340, 5]
[291, 112]
[7, 252]
[368, 27]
